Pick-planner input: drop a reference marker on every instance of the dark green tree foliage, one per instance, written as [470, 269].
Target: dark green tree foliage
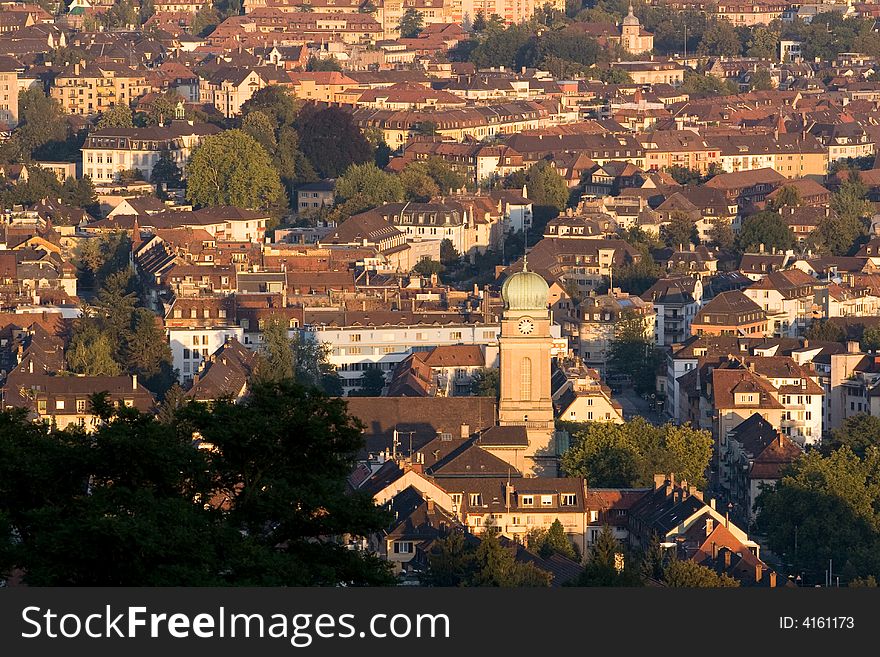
[80, 193]
[411, 23]
[547, 542]
[284, 357]
[486, 382]
[449, 256]
[720, 38]
[331, 141]
[366, 186]
[456, 561]
[205, 21]
[690, 575]
[427, 267]
[602, 563]
[824, 331]
[547, 190]
[767, 228]
[826, 508]
[501, 47]
[788, 195]
[632, 352]
[372, 383]
[840, 232]
[630, 454]
[858, 433]
[697, 85]
[41, 122]
[637, 276]
[121, 336]
[323, 64]
[871, 339]
[680, 231]
[117, 116]
[166, 172]
[153, 516]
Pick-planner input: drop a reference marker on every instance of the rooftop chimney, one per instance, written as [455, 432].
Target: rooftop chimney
[134, 381]
[727, 558]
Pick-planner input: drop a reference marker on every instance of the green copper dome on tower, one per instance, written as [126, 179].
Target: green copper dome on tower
[525, 290]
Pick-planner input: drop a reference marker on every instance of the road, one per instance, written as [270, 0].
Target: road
[634, 405]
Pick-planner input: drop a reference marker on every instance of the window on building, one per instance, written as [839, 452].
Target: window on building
[476, 499]
[456, 499]
[355, 337]
[41, 405]
[546, 500]
[455, 335]
[59, 404]
[525, 382]
[403, 547]
[569, 499]
[527, 500]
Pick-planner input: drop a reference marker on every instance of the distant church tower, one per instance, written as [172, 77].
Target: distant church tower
[632, 37]
[525, 345]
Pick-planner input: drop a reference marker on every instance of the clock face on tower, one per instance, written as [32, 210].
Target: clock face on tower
[526, 326]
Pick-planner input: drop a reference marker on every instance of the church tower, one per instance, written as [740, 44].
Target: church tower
[631, 34]
[525, 345]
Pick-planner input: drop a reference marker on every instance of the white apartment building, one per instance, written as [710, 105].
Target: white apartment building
[109, 151]
[356, 346]
[191, 346]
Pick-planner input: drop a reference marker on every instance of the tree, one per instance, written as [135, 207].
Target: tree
[840, 232]
[80, 193]
[858, 433]
[763, 43]
[638, 275]
[761, 80]
[331, 141]
[683, 175]
[411, 23]
[788, 195]
[41, 121]
[479, 21]
[417, 184]
[680, 231]
[547, 190]
[427, 267]
[721, 234]
[825, 507]
[372, 383]
[632, 351]
[603, 566]
[871, 339]
[687, 574]
[261, 127]
[166, 172]
[825, 331]
[276, 102]
[91, 351]
[612, 75]
[702, 86]
[765, 228]
[205, 21]
[720, 38]
[629, 454]
[116, 116]
[323, 64]
[451, 560]
[495, 565]
[486, 382]
[501, 47]
[552, 541]
[449, 256]
[365, 186]
[231, 168]
[277, 362]
[280, 469]
[146, 351]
